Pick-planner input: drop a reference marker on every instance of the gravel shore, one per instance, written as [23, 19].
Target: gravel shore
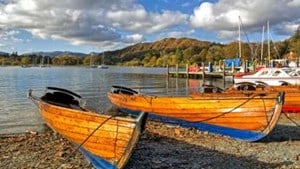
[163, 147]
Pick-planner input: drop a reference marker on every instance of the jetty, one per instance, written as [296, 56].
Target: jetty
[203, 74]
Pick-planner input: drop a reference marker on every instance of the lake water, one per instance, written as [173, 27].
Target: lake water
[18, 114]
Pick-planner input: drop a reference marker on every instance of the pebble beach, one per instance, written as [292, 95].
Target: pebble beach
[163, 146]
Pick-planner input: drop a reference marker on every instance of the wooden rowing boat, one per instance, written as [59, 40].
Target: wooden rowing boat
[292, 93]
[241, 116]
[105, 140]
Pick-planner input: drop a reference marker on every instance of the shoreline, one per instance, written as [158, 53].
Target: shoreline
[163, 146]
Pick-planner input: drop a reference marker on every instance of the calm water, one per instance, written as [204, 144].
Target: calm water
[18, 114]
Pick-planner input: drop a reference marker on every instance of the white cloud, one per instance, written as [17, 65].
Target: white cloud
[138, 20]
[86, 22]
[136, 38]
[203, 15]
[177, 34]
[223, 15]
[286, 28]
[9, 38]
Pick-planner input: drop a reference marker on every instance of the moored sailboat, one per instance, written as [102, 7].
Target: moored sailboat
[102, 66]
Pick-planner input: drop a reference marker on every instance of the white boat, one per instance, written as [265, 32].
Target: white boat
[272, 76]
[102, 66]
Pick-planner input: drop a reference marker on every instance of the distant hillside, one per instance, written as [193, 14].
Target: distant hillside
[56, 53]
[182, 51]
[3, 54]
[166, 46]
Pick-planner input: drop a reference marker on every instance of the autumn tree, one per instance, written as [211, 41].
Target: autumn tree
[215, 53]
[202, 55]
[231, 50]
[179, 55]
[66, 60]
[25, 60]
[294, 45]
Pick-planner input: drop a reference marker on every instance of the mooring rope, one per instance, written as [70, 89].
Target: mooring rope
[293, 121]
[128, 145]
[230, 111]
[115, 143]
[86, 139]
[267, 117]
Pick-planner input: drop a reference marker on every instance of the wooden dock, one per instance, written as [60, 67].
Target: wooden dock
[199, 75]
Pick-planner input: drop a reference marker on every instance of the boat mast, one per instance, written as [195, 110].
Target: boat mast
[33, 59]
[102, 61]
[269, 50]
[240, 45]
[42, 62]
[91, 59]
[48, 61]
[262, 45]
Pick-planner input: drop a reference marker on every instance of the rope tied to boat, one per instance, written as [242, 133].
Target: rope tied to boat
[149, 100]
[291, 120]
[236, 107]
[115, 144]
[116, 161]
[86, 139]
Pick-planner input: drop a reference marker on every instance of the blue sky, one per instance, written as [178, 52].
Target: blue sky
[100, 25]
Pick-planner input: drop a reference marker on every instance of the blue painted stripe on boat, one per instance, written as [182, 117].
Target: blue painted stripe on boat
[245, 135]
[97, 162]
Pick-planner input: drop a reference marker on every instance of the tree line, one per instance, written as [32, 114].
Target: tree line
[36, 60]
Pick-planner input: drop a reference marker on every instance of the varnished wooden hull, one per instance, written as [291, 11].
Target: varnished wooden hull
[105, 140]
[239, 116]
[292, 96]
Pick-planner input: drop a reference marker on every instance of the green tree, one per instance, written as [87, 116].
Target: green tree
[179, 55]
[152, 61]
[171, 59]
[187, 54]
[215, 53]
[294, 45]
[231, 50]
[25, 60]
[159, 62]
[87, 60]
[202, 55]
[134, 62]
[146, 59]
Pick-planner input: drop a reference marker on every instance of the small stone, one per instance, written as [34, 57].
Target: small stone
[177, 131]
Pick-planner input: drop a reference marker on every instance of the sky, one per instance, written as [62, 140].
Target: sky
[101, 25]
